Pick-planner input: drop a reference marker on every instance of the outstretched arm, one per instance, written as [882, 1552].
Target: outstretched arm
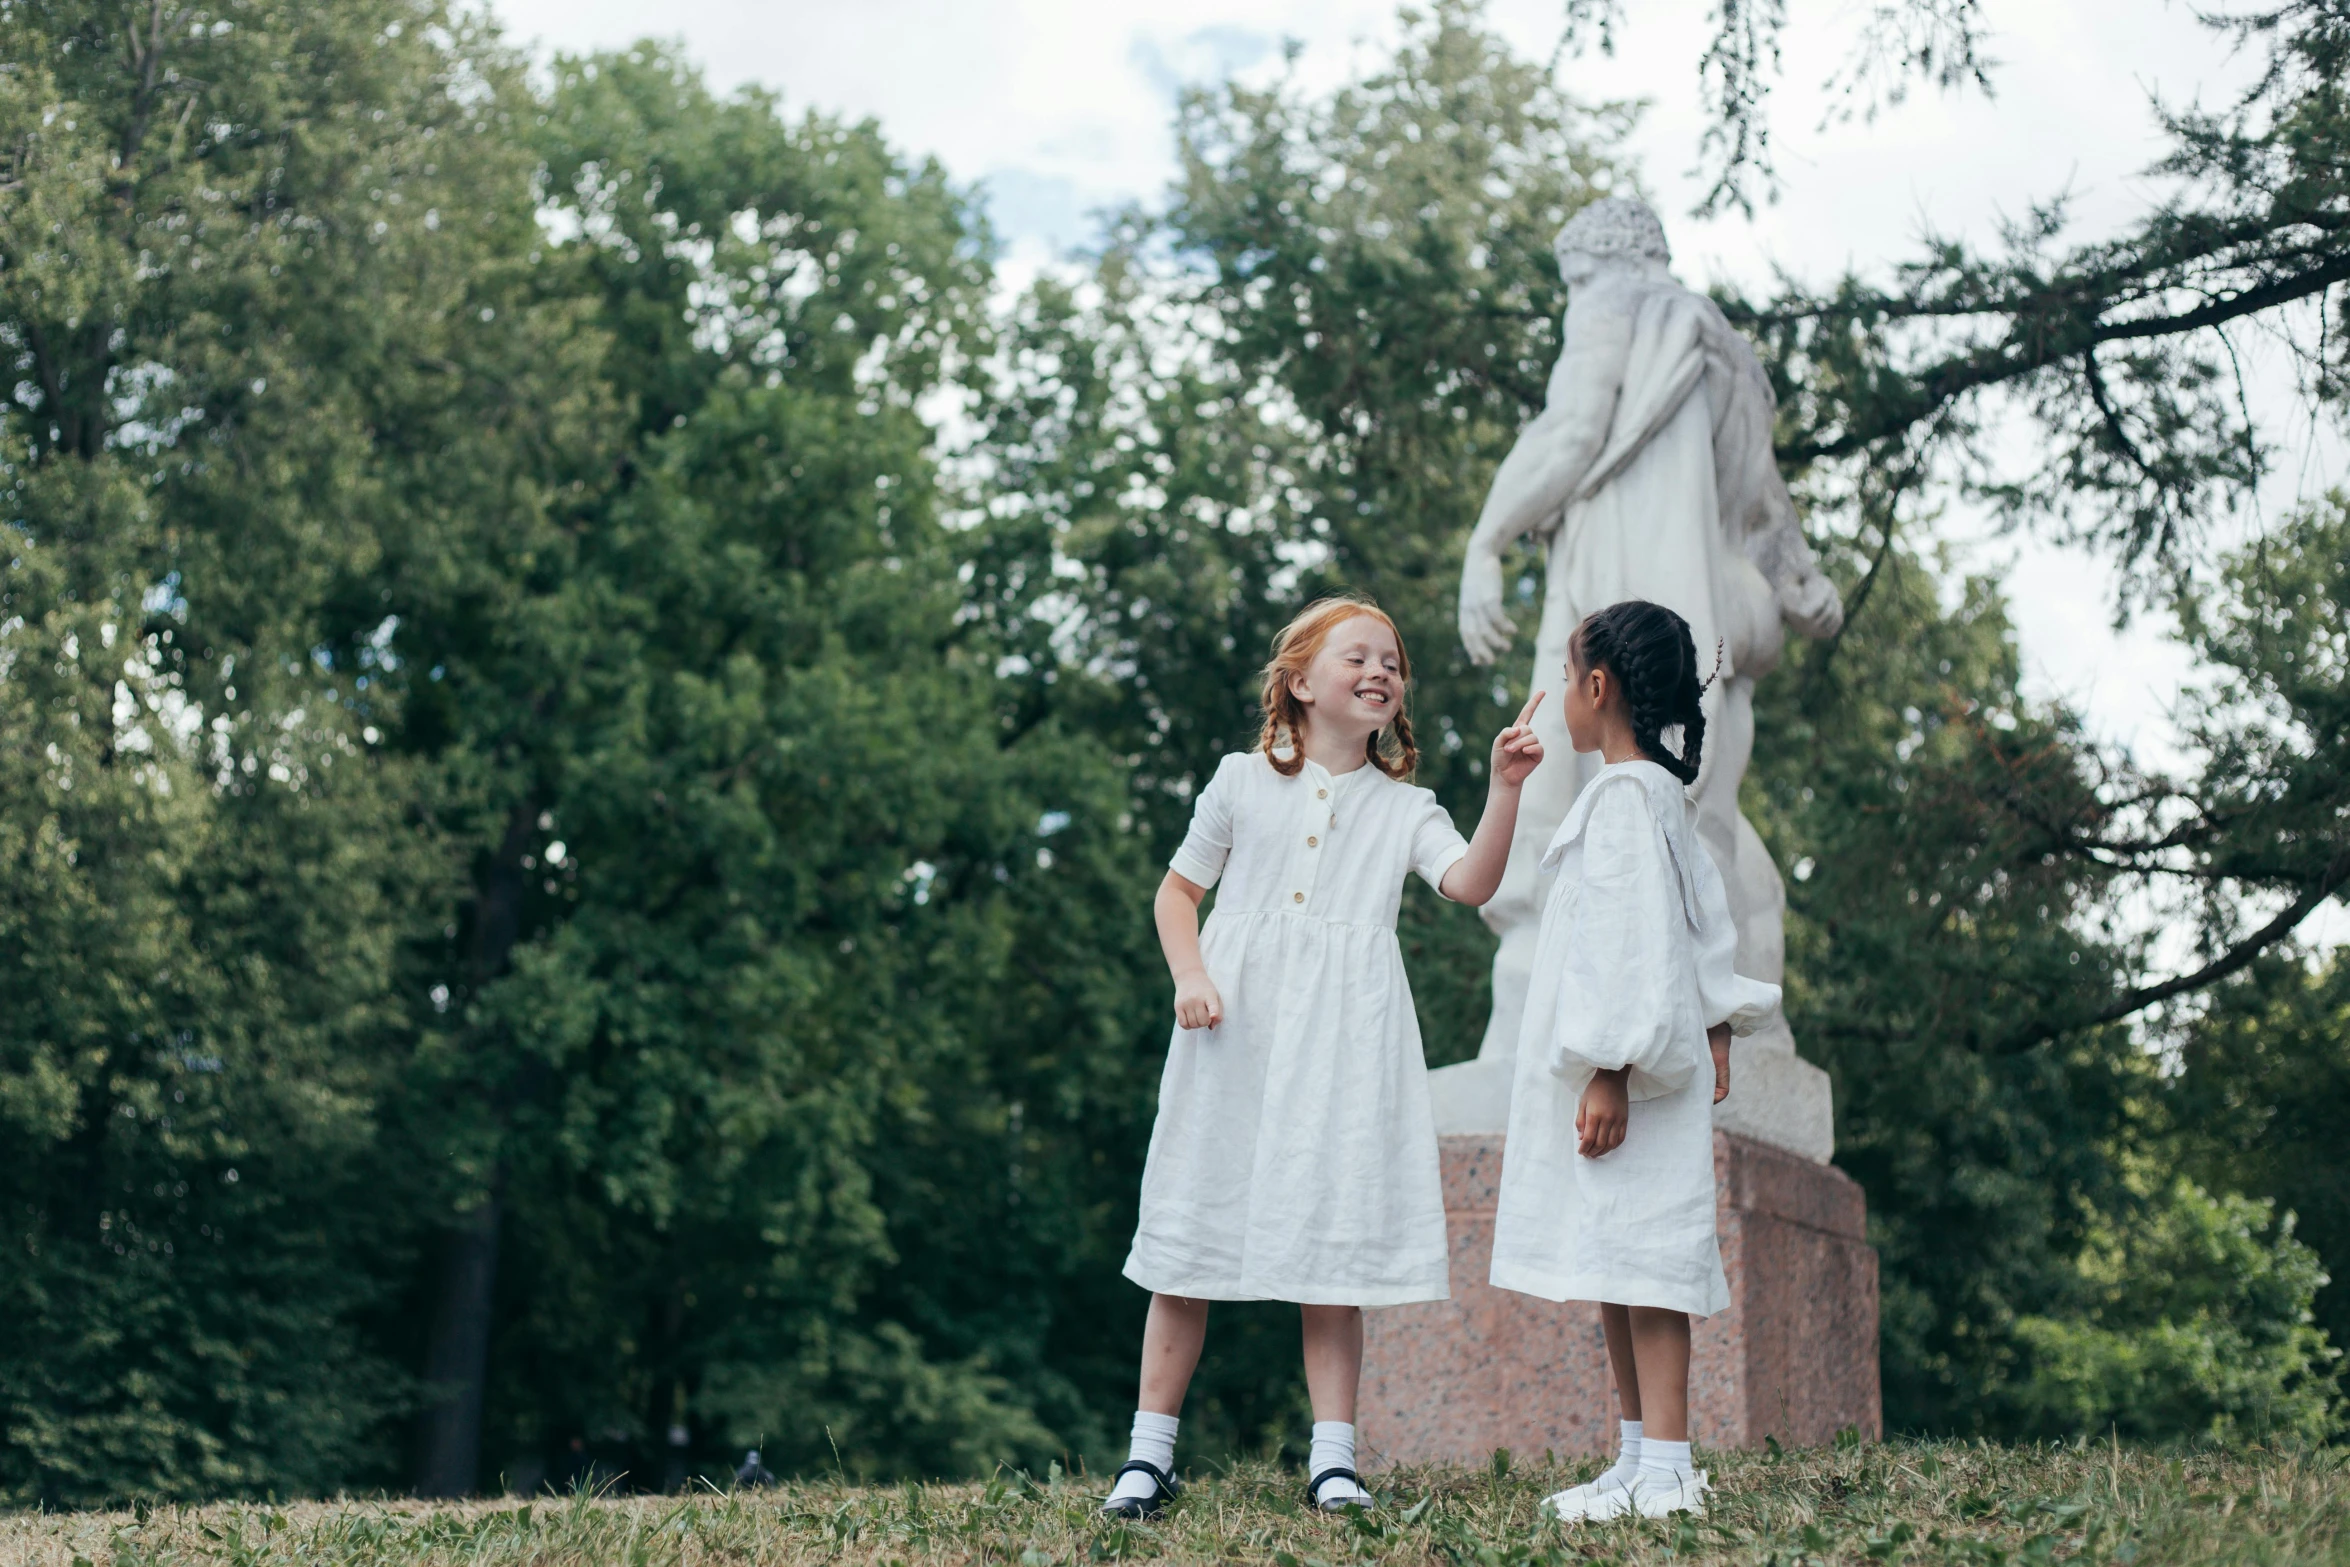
[1548, 463]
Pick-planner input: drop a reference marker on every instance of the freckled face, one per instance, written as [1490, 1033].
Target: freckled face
[1355, 683]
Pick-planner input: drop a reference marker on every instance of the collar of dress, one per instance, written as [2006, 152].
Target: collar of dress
[1308, 768]
[1668, 806]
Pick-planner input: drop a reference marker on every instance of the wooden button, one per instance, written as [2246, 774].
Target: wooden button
[1321, 794]
[1297, 897]
[1313, 843]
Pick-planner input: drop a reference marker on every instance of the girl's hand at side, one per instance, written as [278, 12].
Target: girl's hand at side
[1176, 910]
[1717, 1039]
[1516, 751]
[1197, 1005]
[1606, 1110]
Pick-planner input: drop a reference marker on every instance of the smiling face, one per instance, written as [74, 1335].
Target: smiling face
[1354, 685]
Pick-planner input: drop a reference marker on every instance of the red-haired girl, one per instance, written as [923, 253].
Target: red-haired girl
[1295, 1152]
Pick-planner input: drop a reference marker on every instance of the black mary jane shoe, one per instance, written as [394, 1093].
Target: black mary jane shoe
[1164, 1491]
[1314, 1490]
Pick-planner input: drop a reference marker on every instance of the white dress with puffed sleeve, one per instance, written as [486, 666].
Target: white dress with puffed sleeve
[1631, 967]
[1294, 1156]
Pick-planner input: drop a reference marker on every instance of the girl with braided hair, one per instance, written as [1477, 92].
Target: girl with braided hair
[1294, 1156]
[1607, 1184]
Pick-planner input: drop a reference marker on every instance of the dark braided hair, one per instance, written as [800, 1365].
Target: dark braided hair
[1648, 650]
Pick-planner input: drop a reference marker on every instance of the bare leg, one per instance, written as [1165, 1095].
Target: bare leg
[1616, 1323]
[1171, 1340]
[1660, 1347]
[1334, 1359]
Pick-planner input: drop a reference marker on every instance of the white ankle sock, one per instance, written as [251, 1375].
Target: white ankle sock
[1334, 1448]
[1628, 1448]
[1662, 1458]
[1154, 1443]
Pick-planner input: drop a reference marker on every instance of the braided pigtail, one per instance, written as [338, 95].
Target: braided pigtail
[1393, 751]
[1649, 651]
[1691, 696]
[1284, 722]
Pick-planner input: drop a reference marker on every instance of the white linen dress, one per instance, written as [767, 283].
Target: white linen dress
[1632, 966]
[1294, 1157]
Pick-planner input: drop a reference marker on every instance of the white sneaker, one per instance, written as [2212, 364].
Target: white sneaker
[1649, 1495]
[1658, 1496]
[1573, 1505]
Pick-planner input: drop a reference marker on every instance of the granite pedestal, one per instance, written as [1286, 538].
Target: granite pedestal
[1794, 1357]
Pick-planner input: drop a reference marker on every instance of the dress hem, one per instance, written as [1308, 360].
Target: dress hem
[1296, 1295]
[1554, 1287]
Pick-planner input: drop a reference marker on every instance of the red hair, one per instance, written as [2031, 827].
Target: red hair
[1390, 749]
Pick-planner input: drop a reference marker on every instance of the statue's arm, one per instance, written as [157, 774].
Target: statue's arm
[1553, 454]
[1808, 600]
[1548, 463]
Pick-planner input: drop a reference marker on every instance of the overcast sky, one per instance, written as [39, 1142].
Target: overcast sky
[1060, 108]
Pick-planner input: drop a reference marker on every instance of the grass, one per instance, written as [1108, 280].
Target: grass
[1896, 1503]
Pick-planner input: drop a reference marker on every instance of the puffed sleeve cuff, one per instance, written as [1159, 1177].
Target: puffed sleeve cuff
[1749, 1006]
[1614, 1005]
[1657, 1068]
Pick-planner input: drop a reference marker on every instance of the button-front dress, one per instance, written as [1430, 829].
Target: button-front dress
[1294, 1157]
[1632, 966]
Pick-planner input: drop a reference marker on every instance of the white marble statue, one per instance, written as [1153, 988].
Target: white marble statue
[1648, 474]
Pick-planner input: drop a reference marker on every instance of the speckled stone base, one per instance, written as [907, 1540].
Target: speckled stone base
[1795, 1356]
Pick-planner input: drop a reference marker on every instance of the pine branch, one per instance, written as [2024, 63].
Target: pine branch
[2237, 958]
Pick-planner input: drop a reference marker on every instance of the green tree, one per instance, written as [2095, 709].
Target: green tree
[773, 1085]
[246, 280]
[2262, 1100]
[2194, 1320]
[521, 850]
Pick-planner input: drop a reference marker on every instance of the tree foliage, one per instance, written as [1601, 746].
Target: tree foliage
[248, 260]
[513, 851]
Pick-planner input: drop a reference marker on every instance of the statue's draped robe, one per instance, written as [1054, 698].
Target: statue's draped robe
[1643, 525]
[1646, 523]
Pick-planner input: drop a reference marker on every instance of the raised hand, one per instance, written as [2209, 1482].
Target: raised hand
[1517, 751]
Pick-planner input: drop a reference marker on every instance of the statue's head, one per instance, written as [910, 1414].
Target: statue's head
[1614, 231]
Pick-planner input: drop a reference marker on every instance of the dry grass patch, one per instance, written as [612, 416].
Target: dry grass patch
[1901, 1502]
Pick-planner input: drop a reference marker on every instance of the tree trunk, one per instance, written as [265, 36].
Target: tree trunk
[456, 1363]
